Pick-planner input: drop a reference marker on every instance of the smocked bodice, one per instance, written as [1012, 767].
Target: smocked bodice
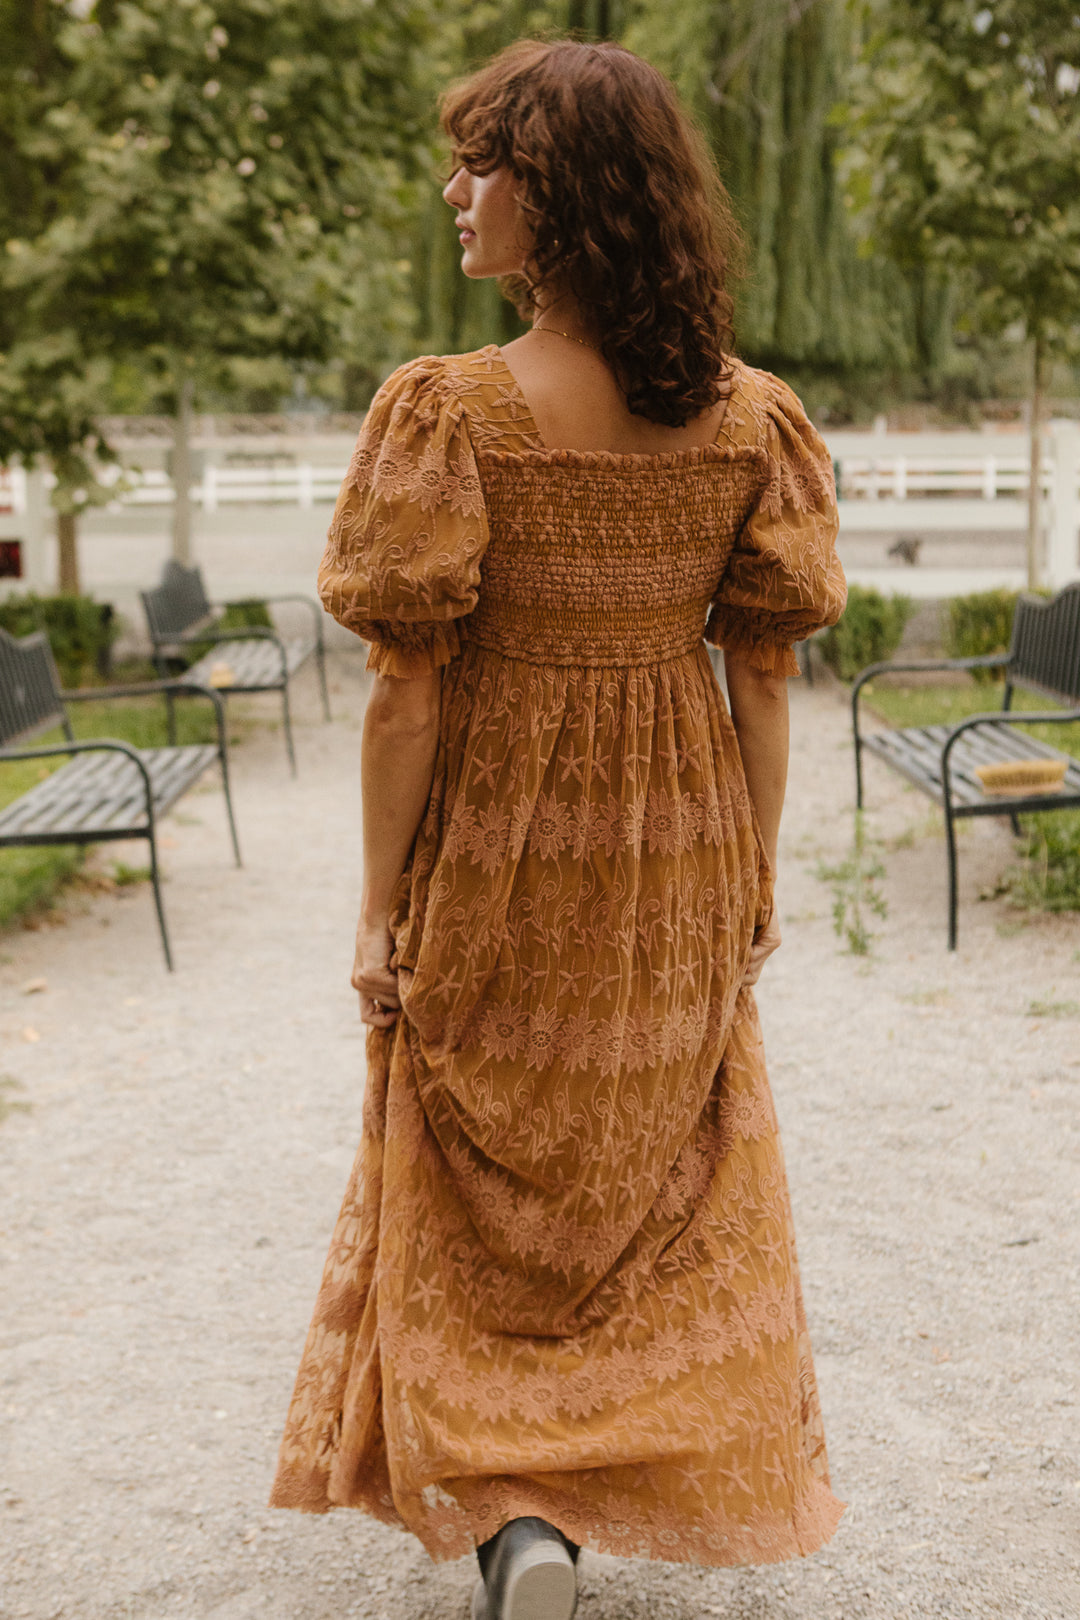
[457, 526]
[599, 560]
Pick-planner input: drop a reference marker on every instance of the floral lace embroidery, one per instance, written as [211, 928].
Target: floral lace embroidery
[563, 1280]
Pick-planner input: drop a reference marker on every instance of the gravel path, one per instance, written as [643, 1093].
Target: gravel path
[166, 1196]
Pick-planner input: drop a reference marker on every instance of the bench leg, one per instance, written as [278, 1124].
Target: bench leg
[229, 810]
[320, 655]
[287, 719]
[170, 712]
[155, 878]
[858, 773]
[950, 847]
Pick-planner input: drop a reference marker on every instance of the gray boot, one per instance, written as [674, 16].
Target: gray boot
[530, 1575]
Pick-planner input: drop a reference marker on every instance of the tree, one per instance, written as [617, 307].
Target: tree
[965, 155]
[49, 386]
[231, 180]
[763, 78]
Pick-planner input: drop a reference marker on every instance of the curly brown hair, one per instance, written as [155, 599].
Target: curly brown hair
[626, 209]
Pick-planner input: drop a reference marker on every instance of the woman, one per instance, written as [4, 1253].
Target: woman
[562, 1294]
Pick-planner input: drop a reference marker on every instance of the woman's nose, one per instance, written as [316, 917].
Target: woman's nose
[454, 189]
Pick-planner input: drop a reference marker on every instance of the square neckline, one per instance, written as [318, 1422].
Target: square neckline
[624, 460]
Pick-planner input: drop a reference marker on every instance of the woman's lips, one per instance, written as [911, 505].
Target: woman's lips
[466, 236]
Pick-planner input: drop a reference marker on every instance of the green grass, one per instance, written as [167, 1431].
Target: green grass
[1046, 876]
[31, 878]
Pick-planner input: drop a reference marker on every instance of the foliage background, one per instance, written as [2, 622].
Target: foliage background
[151, 224]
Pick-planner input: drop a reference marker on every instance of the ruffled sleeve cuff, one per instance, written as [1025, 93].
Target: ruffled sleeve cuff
[754, 638]
[409, 651]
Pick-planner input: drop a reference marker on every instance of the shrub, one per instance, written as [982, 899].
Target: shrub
[980, 624]
[250, 613]
[80, 631]
[869, 630]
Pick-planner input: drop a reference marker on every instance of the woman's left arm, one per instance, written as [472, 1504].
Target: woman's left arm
[759, 713]
[400, 742]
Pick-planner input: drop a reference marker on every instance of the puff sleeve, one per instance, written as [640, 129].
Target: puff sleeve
[782, 580]
[402, 559]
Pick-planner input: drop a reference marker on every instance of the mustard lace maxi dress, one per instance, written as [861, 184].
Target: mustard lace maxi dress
[563, 1280]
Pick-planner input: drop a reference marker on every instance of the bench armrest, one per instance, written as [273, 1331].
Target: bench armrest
[1013, 717]
[291, 596]
[915, 666]
[177, 688]
[998, 717]
[245, 632]
[317, 614]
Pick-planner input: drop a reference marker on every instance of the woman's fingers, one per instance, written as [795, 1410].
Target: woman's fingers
[374, 975]
[374, 1011]
[766, 940]
[379, 1004]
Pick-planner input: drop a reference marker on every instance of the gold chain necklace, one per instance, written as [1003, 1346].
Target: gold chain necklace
[554, 330]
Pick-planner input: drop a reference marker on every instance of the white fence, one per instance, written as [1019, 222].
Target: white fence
[300, 483]
[937, 484]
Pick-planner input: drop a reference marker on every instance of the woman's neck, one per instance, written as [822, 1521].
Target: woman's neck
[565, 316]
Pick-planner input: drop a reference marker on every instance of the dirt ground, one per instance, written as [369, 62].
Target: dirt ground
[173, 1149]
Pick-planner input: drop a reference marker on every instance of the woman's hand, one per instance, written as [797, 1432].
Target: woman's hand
[766, 941]
[374, 974]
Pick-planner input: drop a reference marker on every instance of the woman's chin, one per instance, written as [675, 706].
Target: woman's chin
[478, 269]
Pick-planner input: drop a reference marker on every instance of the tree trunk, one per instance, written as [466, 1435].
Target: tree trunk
[1035, 536]
[181, 472]
[67, 527]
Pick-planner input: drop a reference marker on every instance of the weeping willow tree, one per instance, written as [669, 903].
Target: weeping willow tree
[763, 78]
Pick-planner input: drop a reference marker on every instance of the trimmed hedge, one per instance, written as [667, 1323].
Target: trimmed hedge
[81, 631]
[979, 624]
[869, 630]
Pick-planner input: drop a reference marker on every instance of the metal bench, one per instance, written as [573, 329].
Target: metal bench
[179, 613]
[1044, 656]
[108, 789]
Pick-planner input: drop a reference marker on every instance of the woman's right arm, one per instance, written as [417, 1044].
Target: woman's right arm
[400, 742]
[759, 713]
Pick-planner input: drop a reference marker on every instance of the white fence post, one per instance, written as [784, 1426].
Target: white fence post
[305, 475]
[36, 570]
[210, 486]
[1063, 538]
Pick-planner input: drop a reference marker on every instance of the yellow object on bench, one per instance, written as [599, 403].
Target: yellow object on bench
[1022, 776]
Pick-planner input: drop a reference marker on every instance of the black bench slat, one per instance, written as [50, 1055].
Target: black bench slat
[105, 792]
[255, 665]
[65, 791]
[105, 778]
[916, 753]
